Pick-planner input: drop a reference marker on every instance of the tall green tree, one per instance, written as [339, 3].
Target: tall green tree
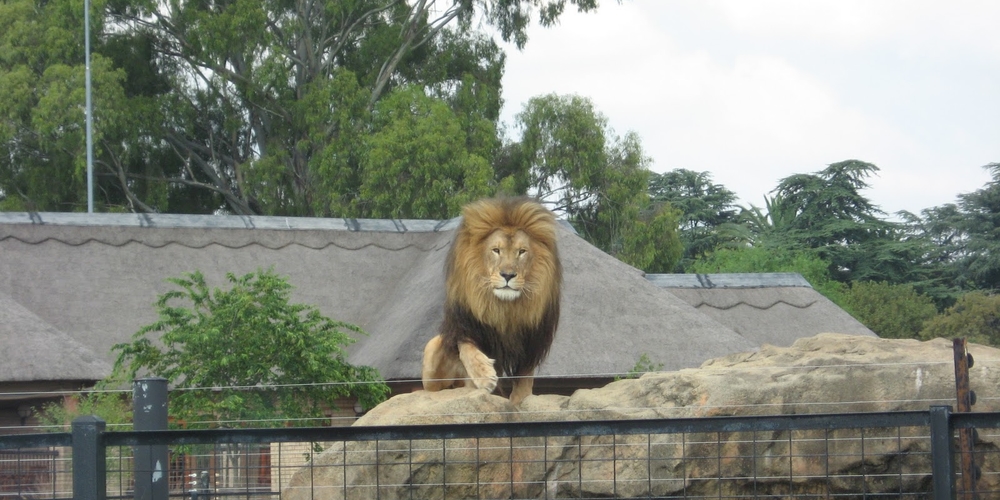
[42, 134]
[246, 354]
[826, 212]
[709, 213]
[239, 106]
[571, 159]
[963, 236]
[418, 164]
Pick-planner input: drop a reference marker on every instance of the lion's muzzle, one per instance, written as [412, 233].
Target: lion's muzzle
[506, 293]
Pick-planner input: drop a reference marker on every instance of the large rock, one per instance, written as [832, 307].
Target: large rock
[828, 373]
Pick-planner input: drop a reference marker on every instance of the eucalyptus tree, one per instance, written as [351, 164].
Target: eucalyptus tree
[571, 159]
[42, 74]
[242, 106]
[271, 101]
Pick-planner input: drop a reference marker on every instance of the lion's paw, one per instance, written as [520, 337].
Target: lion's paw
[482, 372]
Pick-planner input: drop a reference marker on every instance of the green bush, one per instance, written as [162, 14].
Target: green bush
[975, 316]
[244, 356]
[891, 311]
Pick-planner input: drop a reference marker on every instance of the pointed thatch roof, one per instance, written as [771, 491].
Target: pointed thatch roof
[32, 350]
[96, 277]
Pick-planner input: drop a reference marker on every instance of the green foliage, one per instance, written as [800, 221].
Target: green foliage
[975, 316]
[828, 206]
[254, 107]
[891, 311]
[417, 163]
[111, 405]
[643, 365]
[246, 354]
[569, 157]
[42, 134]
[652, 243]
[563, 148]
[826, 212]
[708, 211]
[963, 237]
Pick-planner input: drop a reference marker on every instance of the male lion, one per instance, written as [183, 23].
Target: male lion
[502, 280]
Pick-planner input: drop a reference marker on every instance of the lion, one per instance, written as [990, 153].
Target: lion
[503, 280]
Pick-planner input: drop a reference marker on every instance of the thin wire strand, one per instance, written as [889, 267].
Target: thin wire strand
[607, 375]
[613, 410]
[661, 412]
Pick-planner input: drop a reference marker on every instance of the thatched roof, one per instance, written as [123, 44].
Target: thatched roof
[767, 308]
[96, 277]
[33, 350]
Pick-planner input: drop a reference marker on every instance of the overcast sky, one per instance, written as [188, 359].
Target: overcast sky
[753, 91]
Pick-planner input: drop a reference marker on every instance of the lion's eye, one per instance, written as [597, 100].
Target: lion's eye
[496, 251]
[521, 252]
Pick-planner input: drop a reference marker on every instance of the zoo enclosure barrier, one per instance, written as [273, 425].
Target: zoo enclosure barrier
[911, 455]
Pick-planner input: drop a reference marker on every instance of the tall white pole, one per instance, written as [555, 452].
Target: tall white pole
[90, 110]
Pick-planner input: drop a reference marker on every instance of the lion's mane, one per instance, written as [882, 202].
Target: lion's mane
[515, 333]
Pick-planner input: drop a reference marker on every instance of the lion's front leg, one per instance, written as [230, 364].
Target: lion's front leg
[522, 389]
[479, 367]
[441, 369]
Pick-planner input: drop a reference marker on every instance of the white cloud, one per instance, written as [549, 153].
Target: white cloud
[756, 91]
[918, 28]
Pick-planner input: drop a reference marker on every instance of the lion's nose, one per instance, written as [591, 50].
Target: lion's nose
[508, 276]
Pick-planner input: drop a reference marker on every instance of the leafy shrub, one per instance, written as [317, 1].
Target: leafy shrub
[975, 316]
[244, 356]
[891, 311]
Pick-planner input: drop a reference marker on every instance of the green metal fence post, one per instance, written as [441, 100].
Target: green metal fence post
[149, 413]
[942, 453]
[89, 474]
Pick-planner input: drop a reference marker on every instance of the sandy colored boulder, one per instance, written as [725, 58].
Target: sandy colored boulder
[827, 373]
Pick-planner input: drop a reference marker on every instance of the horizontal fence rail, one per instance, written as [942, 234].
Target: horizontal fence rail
[904, 455]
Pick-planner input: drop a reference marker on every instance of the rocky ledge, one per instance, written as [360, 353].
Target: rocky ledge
[827, 373]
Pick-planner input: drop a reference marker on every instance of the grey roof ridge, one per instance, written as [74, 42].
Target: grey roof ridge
[235, 222]
[223, 245]
[227, 222]
[728, 280]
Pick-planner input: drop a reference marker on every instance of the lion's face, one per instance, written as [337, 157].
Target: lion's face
[503, 264]
[507, 258]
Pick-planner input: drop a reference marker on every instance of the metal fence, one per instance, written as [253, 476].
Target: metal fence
[896, 455]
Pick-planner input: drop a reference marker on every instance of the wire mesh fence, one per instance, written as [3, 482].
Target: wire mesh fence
[897, 455]
[34, 473]
[715, 458]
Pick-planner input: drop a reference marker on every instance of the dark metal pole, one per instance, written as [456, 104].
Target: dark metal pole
[149, 413]
[89, 473]
[89, 118]
[942, 454]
